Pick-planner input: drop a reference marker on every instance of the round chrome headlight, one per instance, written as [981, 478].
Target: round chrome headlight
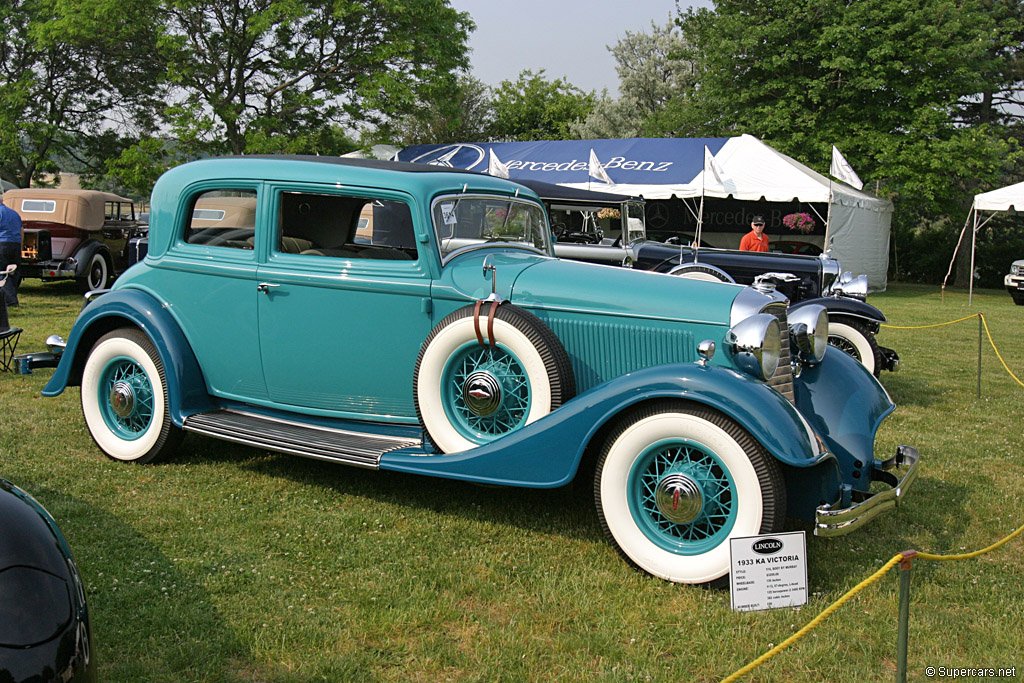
[755, 345]
[808, 330]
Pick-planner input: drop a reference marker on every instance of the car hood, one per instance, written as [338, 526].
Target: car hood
[555, 285]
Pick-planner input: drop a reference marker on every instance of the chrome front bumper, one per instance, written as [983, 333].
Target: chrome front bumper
[842, 517]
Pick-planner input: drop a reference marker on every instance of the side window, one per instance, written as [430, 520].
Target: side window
[345, 227]
[223, 218]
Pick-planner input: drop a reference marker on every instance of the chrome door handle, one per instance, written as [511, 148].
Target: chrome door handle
[265, 286]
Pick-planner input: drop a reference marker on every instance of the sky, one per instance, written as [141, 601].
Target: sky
[566, 38]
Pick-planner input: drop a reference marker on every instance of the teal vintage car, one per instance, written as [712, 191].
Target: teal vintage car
[411, 318]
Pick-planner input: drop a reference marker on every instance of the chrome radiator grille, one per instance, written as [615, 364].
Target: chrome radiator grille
[782, 380]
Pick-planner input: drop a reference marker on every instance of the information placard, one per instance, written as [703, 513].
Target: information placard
[768, 571]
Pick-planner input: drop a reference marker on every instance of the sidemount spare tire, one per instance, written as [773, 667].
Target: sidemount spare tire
[702, 271]
[486, 371]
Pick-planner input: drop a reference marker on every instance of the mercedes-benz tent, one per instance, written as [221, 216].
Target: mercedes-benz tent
[663, 168]
[985, 206]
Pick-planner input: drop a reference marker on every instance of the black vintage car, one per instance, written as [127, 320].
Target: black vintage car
[44, 621]
[74, 234]
[589, 226]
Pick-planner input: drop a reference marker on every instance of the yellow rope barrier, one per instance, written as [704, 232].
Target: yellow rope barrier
[988, 332]
[817, 620]
[896, 559]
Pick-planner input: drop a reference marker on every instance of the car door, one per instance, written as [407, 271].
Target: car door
[344, 302]
[212, 289]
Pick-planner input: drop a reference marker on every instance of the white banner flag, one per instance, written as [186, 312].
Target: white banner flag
[597, 170]
[711, 166]
[494, 165]
[841, 169]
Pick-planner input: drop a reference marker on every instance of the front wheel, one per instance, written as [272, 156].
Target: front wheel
[675, 481]
[124, 398]
[854, 339]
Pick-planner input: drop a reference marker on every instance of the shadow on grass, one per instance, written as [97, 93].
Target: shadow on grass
[934, 508]
[139, 601]
[567, 511]
[910, 390]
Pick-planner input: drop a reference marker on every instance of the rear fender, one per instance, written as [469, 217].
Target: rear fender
[186, 388]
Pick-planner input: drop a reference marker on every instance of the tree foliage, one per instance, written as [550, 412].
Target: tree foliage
[274, 75]
[906, 88]
[651, 77]
[534, 108]
[460, 111]
[75, 76]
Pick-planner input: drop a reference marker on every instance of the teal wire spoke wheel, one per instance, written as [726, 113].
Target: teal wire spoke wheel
[675, 481]
[486, 392]
[470, 393]
[682, 497]
[125, 400]
[126, 397]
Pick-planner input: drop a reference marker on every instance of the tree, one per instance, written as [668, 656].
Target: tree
[75, 76]
[534, 108]
[459, 112]
[651, 75]
[887, 81]
[274, 75]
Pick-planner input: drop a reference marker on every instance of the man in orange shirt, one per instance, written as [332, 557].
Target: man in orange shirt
[755, 240]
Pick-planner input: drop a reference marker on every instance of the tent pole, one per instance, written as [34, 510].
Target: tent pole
[828, 217]
[974, 243]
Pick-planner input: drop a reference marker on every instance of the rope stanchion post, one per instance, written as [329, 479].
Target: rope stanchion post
[980, 329]
[904, 620]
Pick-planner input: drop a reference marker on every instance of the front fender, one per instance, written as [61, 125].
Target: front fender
[548, 452]
[844, 306]
[186, 390]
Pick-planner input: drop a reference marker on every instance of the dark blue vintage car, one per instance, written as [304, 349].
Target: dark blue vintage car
[410, 318]
[600, 227]
[44, 620]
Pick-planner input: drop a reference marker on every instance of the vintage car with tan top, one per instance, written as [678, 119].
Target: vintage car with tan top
[80, 234]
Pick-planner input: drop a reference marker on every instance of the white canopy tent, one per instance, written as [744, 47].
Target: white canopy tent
[859, 222]
[663, 168]
[985, 206]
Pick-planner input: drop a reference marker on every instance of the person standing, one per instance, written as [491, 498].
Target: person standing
[755, 240]
[10, 250]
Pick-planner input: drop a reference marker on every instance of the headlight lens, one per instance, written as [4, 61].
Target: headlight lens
[808, 328]
[755, 345]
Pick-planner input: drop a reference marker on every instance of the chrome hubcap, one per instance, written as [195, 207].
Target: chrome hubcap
[482, 393]
[122, 399]
[679, 498]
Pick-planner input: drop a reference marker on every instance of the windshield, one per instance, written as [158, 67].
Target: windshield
[463, 221]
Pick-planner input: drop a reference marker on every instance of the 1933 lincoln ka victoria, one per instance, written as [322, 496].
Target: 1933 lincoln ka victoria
[410, 318]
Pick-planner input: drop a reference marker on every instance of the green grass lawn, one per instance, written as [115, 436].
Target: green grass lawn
[233, 564]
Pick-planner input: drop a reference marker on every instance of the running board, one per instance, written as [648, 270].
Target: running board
[323, 443]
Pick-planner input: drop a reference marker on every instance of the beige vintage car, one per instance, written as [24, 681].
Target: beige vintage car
[79, 234]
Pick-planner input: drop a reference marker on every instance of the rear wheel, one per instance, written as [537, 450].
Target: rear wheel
[124, 398]
[97, 275]
[675, 481]
[854, 339]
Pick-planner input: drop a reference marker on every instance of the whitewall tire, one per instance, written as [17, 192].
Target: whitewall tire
[124, 398]
[675, 481]
[853, 338]
[468, 394]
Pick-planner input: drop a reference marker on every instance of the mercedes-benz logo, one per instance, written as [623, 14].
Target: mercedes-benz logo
[656, 214]
[453, 156]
